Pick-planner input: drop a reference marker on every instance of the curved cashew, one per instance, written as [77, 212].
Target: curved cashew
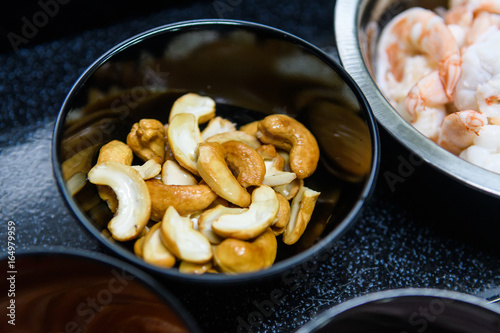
[173, 174]
[186, 199]
[235, 136]
[245, 163]
[286, 133]
[290, 190]
[149, 169]
[279, 224]
[134, 206]
[116, 151]
[213, 169]
[187, 267]
[234, 256]
[274, 162]
[253, 221]
[119, 152]
[153, 249]
[202, 107]
[250, 128]
[182, 240]
[217, 125]
[184, 137]
[146, 138]
[209, 216]
[300, 214]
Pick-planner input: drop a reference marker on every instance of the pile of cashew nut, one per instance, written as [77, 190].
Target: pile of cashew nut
[211, 200]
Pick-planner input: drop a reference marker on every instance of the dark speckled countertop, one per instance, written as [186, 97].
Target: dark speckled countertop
[422, 230]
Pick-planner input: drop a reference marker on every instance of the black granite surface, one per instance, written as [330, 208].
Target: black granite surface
[420, 230]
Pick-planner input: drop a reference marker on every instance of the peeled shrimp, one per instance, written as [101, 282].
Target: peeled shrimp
[459, 130]
[485, 152]
[470, 18]
[479, 85]
[414, 32]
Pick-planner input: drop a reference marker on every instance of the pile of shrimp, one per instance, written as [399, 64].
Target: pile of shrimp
[441, 71]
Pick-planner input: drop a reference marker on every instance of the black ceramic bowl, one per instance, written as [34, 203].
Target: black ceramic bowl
[68, 290]
[358, 24]
[409, 311]
[250, 70]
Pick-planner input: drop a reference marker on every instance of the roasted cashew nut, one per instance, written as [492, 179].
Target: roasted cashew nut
[234, 256]
[183, 136]
[149, 169]
[209, 216]
[173, 174]
[235, 136]
[182, 240]
[286, 133]
[119, 152]
[279, 224]
[187, 267]
[186, 199]
[154, 250]
[147, 140]
[134, 206]
[217, 125]
[253, 221]
[202, 107]
[213, 169]
[301, 211]
[245, 163]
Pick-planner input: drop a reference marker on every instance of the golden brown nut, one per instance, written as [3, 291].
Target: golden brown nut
[146, 138]
[209, 216]
[182, 240]
[183, 136]
[235, 136]
[213, 169]
[186, 199]
[250, 128]
[217, 125]
[116, 151]
[254, 220]
[153, 249]
[149, 169]
[187, 267]
[245, 163]
[300, 214]
[286, 133]
[119, 152]
[173, 174]
[133, 196]
[283, 216]
[202, 107]
[234, 256]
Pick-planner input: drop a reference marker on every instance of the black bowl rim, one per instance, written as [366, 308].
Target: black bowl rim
[347, 15]
[279, 267]
[381, 296]
[147, 281]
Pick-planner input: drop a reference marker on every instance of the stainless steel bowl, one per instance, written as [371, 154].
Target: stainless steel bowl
[251, 71]
[357, 27]
[408, 311]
